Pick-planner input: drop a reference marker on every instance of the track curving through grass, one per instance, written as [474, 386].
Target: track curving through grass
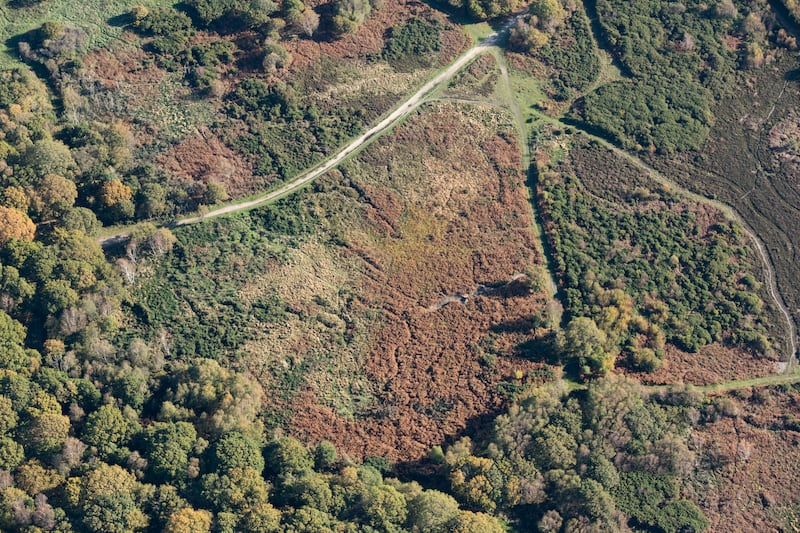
[113, 236]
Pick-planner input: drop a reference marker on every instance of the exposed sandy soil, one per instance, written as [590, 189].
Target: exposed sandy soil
[753, 486]
[713, 364]
[443, 210]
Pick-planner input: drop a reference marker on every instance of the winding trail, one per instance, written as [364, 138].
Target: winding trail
[489, 44]
[730, 213]
[389, 121]
[769, 272]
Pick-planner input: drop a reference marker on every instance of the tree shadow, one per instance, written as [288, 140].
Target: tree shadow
[34, 38]
[121, 21]
[516, 288]
[513, 289]
[542, 349]
[22, 4]
[325, 31]
[519, 325]
[458, 16]
[547, 248]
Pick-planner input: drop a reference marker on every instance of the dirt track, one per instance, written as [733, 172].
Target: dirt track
[399, 113]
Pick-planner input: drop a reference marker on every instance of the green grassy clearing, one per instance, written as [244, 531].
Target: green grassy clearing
[478, 31]
[527, 91]
[766, 381]
[92, 16]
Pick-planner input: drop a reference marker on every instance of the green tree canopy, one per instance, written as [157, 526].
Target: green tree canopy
[106, 429]
[585, 343]
[287, 456]
[13, 355]
[167, 446]
[236, 450]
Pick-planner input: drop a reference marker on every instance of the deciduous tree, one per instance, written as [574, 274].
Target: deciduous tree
[167, 448]
[15, 224]
[106, 429]
[287, 456]
[431, 510]
[308, 22]
[188, 520]
[56, 194]
[585, 343]
[13, 355]
[236, 450]
[46, 433]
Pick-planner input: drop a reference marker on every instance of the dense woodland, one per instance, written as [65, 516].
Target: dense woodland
[585, 461]
[102, 430]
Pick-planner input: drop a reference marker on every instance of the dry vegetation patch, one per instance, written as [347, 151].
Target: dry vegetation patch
[752, 451]
[713, 364]
[437, 218]
[204, 158]
[385, 310]
[369, 38]
[784, 139]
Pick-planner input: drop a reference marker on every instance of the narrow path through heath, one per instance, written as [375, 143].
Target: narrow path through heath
[728, 211]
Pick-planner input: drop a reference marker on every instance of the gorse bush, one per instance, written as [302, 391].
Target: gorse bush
[677, 59]
[416, 40]
[563, 42]
[645, 265]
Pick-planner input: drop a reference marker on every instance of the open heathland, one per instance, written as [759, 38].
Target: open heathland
[748, 162]
[386, 307]
[398, 266]
[750, 450]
